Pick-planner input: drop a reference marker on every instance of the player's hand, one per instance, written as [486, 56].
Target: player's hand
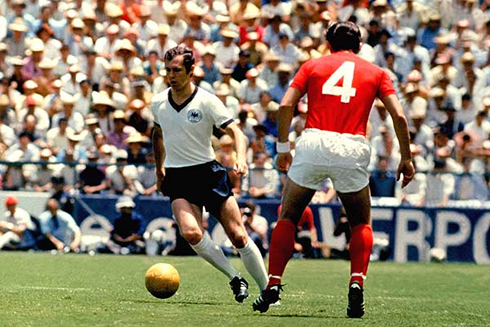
[407, 169]
[283, 161]
[240, 167]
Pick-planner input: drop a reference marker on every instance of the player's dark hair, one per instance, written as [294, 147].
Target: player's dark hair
[344, 36]
[181, 51]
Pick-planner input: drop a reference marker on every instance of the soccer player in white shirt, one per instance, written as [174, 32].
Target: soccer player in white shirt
[188, 173]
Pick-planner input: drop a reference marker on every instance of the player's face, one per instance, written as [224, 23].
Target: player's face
[178, 77]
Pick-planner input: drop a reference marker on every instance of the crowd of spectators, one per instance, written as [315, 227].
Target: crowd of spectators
[77, 78]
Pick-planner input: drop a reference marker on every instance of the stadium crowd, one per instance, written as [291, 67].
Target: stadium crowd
[77, 78]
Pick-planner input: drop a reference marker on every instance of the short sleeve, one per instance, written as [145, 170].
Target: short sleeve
[220, 114]
[154, 109]
[385, 86]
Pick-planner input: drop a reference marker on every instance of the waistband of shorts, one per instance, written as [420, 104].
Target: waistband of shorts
[316, 131]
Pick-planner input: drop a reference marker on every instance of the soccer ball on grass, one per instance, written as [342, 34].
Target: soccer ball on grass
[162, 280]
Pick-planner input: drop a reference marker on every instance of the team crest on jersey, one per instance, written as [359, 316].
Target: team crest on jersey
[194, 115]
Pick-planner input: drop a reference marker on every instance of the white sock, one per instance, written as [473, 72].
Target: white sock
[252, 259]
[212, 253]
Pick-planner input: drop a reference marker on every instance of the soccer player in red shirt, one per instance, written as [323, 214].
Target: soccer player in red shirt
[341, 89]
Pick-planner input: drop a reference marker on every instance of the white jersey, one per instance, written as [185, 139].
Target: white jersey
[187, 128]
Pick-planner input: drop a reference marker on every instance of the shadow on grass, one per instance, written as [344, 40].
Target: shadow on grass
[297, 315]
[177, 303]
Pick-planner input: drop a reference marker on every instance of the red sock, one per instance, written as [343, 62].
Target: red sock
[281, 249]
[361, 244]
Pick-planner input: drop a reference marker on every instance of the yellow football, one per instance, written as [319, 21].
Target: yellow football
[162, 280]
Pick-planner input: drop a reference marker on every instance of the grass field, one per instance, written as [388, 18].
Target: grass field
[79, 290]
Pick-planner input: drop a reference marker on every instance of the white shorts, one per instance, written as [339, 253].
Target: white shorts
[343, 158]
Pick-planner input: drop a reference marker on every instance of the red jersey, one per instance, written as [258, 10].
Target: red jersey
[341, 90]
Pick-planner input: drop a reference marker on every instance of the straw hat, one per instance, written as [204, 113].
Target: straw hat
[103, 99]
[91, 119]
[226, 140]
[136, 138]
[251, 73]
[163, 29]
[30, 85]
[46, 63]
[113, 10]
[112, 29]
[223, 90]
[229, 33]
[67, 98]
[37, 45]
[18, 25]
[77, 23]
[137, 104]
[125, 44]
[286, 68]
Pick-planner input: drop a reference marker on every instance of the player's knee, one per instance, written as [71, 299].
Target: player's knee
[238, 238]
[192, 236]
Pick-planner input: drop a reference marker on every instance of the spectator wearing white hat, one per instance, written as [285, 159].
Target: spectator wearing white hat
[115, 17]
[121, 131]
[71, 80]
[251, 87]
[268, 71]
[74, 118]
[285, 72]
[209, 66]
[105, 46]
[226, 78]
[18, 41]
[256, 48]
[230, 102]
[18, 13]
[197, 27]
[64, 61]
[162, 42]
[146, 27]
[77, 40]
[276, 7]
[226, 50]
[120, 177]
[219, 23]
[126, 53]
[177, 25]
[127, 234]
[31, 63]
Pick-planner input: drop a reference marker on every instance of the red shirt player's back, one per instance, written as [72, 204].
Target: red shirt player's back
[341, 90]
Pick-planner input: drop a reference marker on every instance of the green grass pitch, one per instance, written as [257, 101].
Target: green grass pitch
[40, 289]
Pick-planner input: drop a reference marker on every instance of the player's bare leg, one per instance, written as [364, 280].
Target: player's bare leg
[231, 220]
[189, 218]
[358, 208]
[295, 199]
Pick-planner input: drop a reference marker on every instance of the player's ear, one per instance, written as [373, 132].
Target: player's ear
[191, 71]
[360, 47]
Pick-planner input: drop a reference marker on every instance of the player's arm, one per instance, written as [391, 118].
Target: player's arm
[240, 166]
[286, 110]
[401, 129]
[159, 151]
